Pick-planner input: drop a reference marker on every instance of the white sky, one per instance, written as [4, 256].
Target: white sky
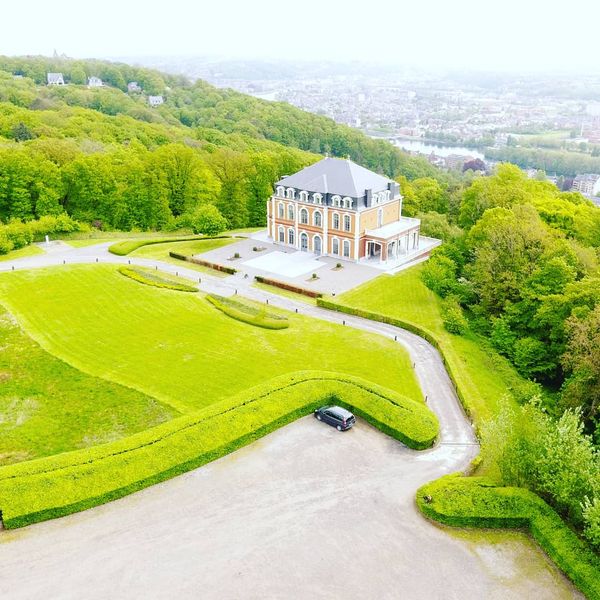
[500, 34]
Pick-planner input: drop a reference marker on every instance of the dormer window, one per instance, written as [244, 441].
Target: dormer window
[281, 191]
[347, 202]
[336, 200]
[303, 196]
[291, 193]
[318, 198]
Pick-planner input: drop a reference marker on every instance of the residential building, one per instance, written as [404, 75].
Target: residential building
[588, 184]
[94, 82]
[55, 79]
[338, 208]
[133, 87]
[155, 100]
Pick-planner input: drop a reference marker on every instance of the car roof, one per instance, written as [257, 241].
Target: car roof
[340, 411]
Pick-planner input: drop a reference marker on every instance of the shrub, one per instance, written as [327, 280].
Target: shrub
[288, 286]
[591, 518]
[54, 486]
[208, 220]
[453, 317]
[204, 263]
[247, 313]
[153, 278]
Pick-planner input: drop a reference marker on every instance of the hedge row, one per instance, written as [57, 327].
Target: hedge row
[204, 263]
[474, 502]
[149, 277]
[288, 286]
[17, 234]
[127, 246]
[54, 486]
[244, 313]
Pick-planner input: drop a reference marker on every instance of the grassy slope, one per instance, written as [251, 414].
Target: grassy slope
[485, 378]
[175, 346]
[47, 406]
[30, 250]
[161, 251]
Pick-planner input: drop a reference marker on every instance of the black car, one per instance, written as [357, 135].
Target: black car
[336, 416]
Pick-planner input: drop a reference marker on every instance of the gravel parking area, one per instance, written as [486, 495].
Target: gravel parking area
[306, 512]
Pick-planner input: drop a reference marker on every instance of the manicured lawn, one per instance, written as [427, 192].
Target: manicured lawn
[47, 406]
[89, 242]
[485, 378]
[285, 293]
[177, 347]
[30, 250]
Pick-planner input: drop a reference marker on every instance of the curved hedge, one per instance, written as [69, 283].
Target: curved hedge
[149, 277]
[248, 314]
[475, 502]
[54, 486]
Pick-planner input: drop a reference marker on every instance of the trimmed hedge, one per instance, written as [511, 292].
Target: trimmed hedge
[54, 486]
[204, 263]
[247, 314]
[149, 277]
[288, 286]
[475, 502]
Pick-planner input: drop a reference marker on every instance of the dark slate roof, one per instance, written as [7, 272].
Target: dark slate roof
[336, 176]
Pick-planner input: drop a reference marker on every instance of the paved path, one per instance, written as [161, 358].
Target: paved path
[304, 513]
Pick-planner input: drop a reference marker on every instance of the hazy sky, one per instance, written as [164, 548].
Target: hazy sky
[506, 34]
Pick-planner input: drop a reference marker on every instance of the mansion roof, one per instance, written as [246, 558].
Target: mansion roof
[337, 176]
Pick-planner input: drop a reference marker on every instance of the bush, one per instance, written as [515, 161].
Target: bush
[153, 278]
[248, 314]
[204, 263]
[475, 502]
[208, 220]
[591, 518]
[453, 317]
[288, 286]
[54, 486]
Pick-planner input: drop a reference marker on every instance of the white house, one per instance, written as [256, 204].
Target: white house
[55, 79]
[94, 82]
[588, 184]
[155, 100]
[133, 87]
[338, 208]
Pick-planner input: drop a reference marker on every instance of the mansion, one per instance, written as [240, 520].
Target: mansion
[340, 209]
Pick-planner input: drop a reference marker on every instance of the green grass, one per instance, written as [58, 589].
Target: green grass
[158, 279]
[31, 250]
[48, 488]
[125, 247]
[484, 379]
[475, 502]
[177, 347]
[88, 242]
[285, 293]
[48, 407]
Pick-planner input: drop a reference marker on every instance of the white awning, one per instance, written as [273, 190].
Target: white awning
[404, 225]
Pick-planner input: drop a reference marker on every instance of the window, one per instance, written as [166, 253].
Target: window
[282, 235]
[318, 219]
[335, 221]
[304, 242]
[290, 193]
[304, 216]
[304, 196]
[291, 212]
[280, 210]
[318, 198]
[336, 200]
[335, 246]
[346, 222]
[291, 237]
[317, 244]
[347, 202]
[346, 248]
[281, 191]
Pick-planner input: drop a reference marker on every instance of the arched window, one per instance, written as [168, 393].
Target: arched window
[335, 221]
[350, 202]
[290, 236]
[304, 196]
[291, 212]
[317, 244]
[318, 198]
[304, 242]
[336, 200]
[380, 217]
[281, 234]
[346, 222]
[387, 195]
[335, 246]
[280, 210]
[303, 216]
[347, 248]
[281, 191]
[347, 202]
[375, 198]
[290, 193]
[317, 219]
